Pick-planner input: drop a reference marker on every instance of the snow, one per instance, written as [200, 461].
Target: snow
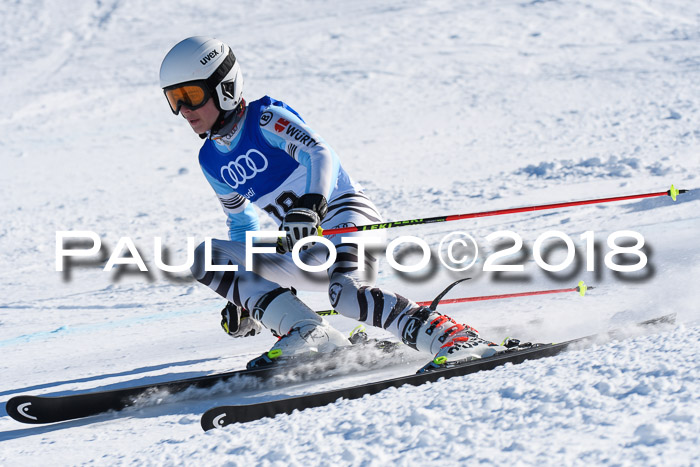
[436, 108]
[506, 414]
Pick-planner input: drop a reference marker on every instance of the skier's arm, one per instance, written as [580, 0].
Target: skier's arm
[286, 131]
[240, 213]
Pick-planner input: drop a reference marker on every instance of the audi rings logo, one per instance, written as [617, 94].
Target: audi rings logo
[243, 168]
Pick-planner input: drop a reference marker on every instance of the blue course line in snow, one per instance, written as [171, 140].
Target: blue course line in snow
[85, 328]
[133, 372]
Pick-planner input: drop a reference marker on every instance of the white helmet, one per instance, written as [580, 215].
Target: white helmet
[198, 68]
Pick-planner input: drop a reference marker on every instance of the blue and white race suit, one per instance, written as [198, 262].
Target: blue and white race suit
[270, 159]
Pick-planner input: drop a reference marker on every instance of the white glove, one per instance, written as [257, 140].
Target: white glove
[298, 223]
[236, 321]
[303, 220]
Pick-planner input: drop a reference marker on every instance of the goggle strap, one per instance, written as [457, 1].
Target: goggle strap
[221, 71]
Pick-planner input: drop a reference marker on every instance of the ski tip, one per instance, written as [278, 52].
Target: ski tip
[20, 408]
[214, 418]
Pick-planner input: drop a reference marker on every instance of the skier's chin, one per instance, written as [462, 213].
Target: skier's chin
[196, 124]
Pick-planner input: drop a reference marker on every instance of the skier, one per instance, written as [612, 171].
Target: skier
[263, 153]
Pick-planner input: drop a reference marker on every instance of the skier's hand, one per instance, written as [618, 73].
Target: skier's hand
[237, 322]
[303, 220]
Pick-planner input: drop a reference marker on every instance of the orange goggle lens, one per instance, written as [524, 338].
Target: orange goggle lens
[192, 96]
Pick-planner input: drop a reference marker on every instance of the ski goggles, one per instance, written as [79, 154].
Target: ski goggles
[193, 94]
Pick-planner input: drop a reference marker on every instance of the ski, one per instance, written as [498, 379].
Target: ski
[224, 415]
[49, 409]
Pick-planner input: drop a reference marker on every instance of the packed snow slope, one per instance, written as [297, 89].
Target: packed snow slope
[436, 108]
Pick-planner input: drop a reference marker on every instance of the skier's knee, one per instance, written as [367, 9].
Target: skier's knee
[341, 284]
[280, 310]
[219, 256]
[198, 269]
